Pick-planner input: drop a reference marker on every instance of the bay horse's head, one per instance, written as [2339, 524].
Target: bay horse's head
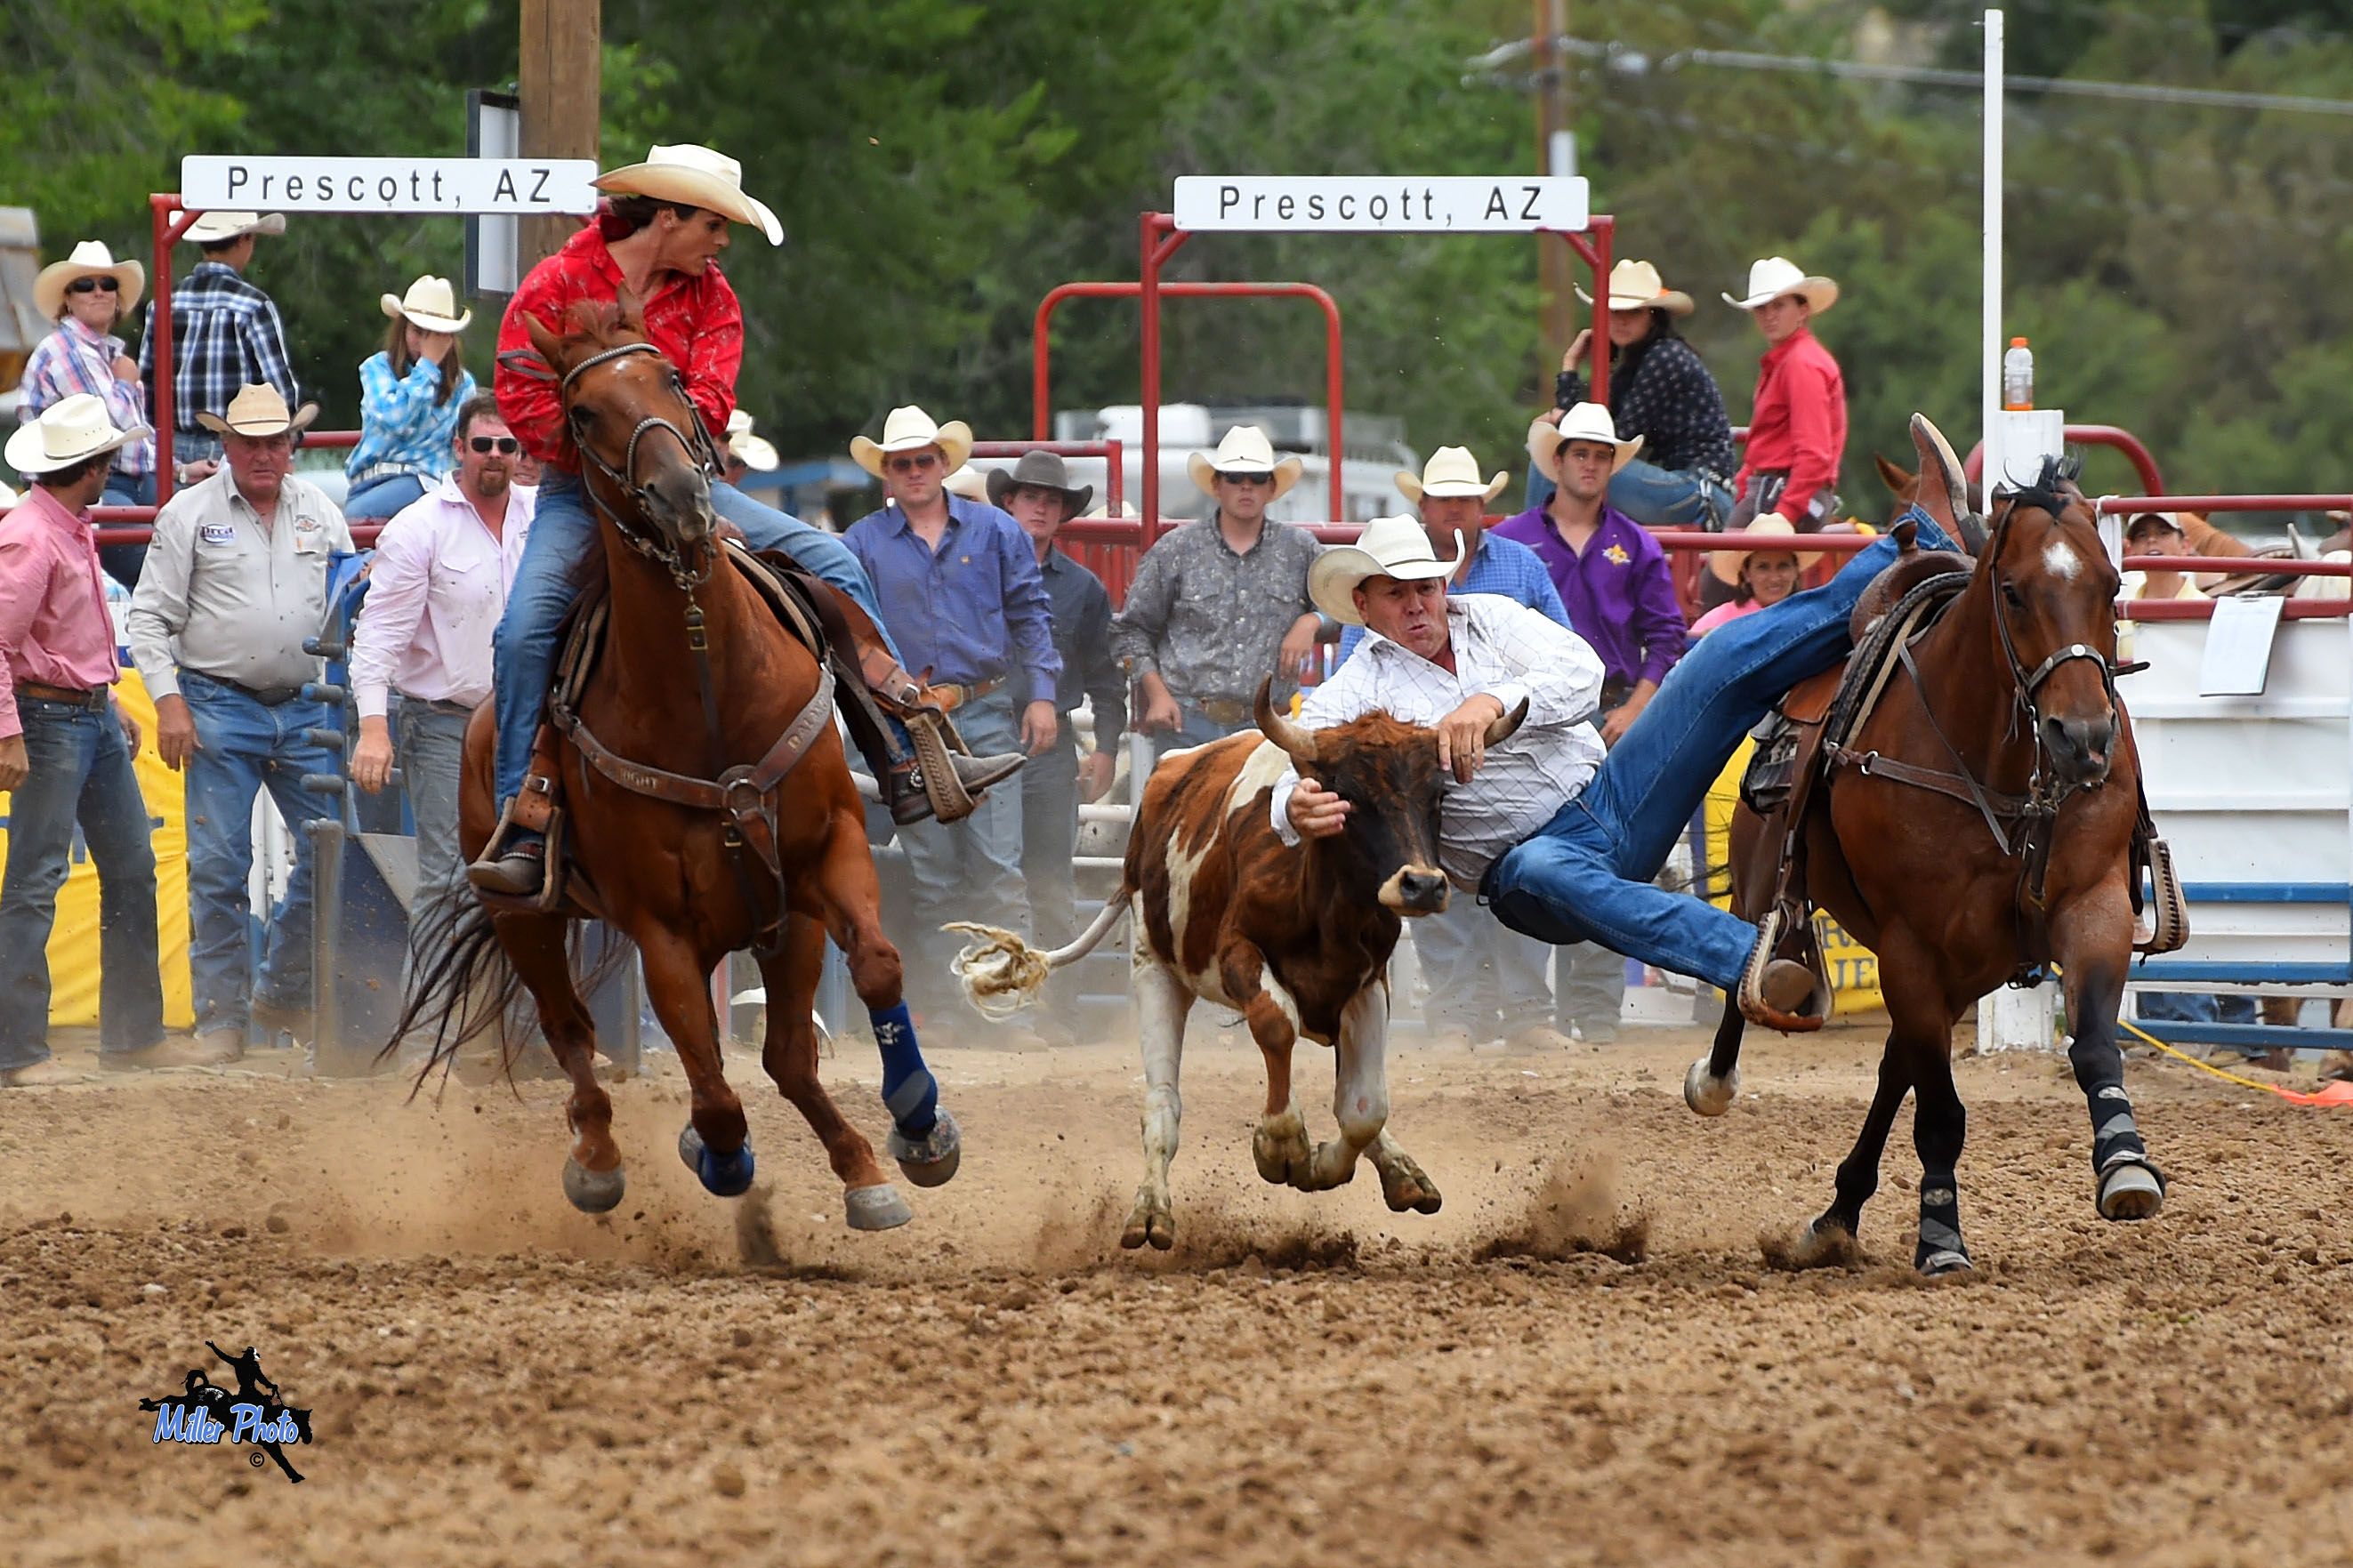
[646, 457]
[2054, 594]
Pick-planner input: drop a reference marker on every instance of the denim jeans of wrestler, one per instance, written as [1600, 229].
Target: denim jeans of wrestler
[243, 747]
[1586, 874]
[80, 776]
[562, 533]
[968, 870]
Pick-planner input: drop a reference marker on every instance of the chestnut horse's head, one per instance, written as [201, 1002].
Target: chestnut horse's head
[2053, 592]
[644, 456]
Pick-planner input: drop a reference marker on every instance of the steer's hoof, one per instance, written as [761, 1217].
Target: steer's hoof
[1280, 1149]
[876, 1208]
[2131, 1191]
[722, 1175]
[594, 1192]
[1405, 1185]
[932, 1159]
[1708, 1094]
[1150, 1221]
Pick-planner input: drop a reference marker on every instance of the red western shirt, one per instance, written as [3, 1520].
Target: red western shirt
[1798, 423]
[695, 322]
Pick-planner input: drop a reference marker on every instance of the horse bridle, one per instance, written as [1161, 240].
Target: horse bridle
[698, 445]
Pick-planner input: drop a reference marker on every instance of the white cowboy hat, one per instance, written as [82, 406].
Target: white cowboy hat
[1586, 422]
[90, 258]
[752, 451]
[1636, 286]
[1102, 512]
[968, 482]
[694, 176]
[212, 229]
[1451, 471]
[1390, 547]
[1778, 275]
[430, 303]
[910, 429]
[258, 411]
[68, 430]
[1245, 450]
[1726, 564]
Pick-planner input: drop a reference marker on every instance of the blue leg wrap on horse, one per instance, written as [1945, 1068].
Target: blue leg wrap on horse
[908, 1090]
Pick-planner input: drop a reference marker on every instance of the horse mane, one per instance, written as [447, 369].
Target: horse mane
[2054, 488]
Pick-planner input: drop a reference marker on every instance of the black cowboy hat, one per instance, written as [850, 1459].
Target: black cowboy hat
[1039, 470]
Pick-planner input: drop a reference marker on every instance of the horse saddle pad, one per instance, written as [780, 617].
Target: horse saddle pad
[795, 598]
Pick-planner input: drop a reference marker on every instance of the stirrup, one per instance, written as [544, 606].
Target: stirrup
[1751, 994]
[550, 828]
[927, 727]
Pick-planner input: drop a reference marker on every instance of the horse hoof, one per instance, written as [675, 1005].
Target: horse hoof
[876, 1208]
[2131, 1192]
[722, 1175]
[594, 1192]
[1149, 1222]
[1708, 1094]
[1944, 1260]
[932, 1159]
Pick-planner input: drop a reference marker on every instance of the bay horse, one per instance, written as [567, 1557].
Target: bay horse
[1978, 823]
[691, 843]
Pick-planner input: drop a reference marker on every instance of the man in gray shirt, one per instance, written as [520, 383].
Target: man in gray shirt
[1219, 605]
[235, 579]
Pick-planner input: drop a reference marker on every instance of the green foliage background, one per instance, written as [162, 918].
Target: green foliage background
[939, 164]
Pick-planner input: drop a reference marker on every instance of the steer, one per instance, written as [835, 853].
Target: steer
[1297, 938]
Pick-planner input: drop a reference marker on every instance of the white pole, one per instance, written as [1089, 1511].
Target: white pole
[1991, 398]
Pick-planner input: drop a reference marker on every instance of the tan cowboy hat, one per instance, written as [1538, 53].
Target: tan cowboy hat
[694, 176]
[970, 483]
[910, 429]
[1636, 286]
[258, 411]
[1245, 450]
[1778, 275]
[90, 258]
[1451, 471]
[68, 430]
[1039, 470]
[1726, 564]
[1586, 422]
[430, 303]
[212, 229]
[1390, 547]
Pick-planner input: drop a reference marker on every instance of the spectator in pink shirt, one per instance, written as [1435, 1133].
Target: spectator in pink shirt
[1757, 577]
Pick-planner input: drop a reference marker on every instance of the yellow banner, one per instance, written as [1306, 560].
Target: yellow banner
[1854, 968]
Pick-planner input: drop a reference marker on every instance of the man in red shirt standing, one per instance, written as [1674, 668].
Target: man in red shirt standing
[1796, 430]
[660, 240]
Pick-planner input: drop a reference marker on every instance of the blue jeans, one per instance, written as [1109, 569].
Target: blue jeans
[1655, 497]
[123, 562]
[562, 534]
[969, 871]
[80, 774]
[242, 748]
[383, 497]
[1586, 874]
[432, 746]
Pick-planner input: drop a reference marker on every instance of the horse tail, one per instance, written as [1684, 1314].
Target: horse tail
[466, 990]
[1001, 974]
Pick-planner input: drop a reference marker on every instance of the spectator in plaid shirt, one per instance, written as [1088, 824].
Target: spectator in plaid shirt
[86, 295]
[225, 335]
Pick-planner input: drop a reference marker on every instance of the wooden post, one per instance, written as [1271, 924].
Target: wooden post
[1555, 267]
[560, 80]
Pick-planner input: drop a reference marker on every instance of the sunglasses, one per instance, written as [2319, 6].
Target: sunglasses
[1246, 478]
[505, 445]
[914, 464]
[92, 285]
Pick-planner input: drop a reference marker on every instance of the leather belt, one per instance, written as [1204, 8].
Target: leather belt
[92, 698]
[1226, 711]
[949, 696]
[269, 697]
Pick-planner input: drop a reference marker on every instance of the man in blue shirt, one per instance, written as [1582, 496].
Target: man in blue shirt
[963, 599]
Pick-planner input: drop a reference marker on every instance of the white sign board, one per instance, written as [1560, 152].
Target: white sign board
[1442, 204]
[2238, 660]
[522, 186]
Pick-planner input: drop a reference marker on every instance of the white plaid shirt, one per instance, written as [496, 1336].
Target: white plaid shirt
[1502, 650]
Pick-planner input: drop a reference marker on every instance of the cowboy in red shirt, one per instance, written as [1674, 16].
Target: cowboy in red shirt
[1796, 431]
[660, 240]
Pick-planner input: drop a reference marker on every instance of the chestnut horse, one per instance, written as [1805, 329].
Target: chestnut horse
[2007, 744]
[699, 678]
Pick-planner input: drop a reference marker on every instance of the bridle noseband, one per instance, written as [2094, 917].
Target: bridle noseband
[698, 445]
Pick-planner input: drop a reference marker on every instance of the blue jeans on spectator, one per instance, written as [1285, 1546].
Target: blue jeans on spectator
[244, 746]
[380, 498]
[80, 775]
[968, 870]
[562, 533]
[1586, 874]
[1485, 979]
[2196, 1008]
[122, 561]
[1655, 497]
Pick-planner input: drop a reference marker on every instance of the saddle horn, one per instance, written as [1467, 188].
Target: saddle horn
[1944, 486]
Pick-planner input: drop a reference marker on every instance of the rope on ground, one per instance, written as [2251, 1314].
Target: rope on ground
[1000, 974]
[2335, 1094]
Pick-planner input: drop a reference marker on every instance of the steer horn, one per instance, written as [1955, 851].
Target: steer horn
[1944, 492]
[1293, 738]
[1507, 724]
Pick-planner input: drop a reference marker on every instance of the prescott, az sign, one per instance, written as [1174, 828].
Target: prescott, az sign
[518, 185]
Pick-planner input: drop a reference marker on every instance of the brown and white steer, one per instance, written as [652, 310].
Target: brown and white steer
[1296, 937]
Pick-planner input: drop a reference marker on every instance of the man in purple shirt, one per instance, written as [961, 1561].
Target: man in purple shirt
[1612, 577]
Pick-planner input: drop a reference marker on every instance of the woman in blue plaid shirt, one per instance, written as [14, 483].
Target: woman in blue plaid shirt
[409, 399]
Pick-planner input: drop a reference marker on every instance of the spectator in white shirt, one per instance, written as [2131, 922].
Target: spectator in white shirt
[436, 590]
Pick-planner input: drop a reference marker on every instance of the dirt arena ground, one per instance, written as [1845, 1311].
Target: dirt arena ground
[497, 1379]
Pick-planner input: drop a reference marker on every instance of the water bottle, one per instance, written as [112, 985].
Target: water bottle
[2018, 375]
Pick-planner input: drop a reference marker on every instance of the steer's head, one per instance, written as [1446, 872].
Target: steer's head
[1388, 774]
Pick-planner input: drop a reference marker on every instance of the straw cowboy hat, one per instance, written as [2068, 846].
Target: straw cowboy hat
[910, 429]
[1043, 471]
[90, 258]
[1586, 422]
[1726, 564]
[694, 176]
[968, 482]
[260, 412]
[1636, 286]
[751, 450]
[1245, 450]
[430, 303]
[1390, 547]
[213, 228]
[1778, 275]
[68, 430]
[1451, 471]
[1102, 512]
